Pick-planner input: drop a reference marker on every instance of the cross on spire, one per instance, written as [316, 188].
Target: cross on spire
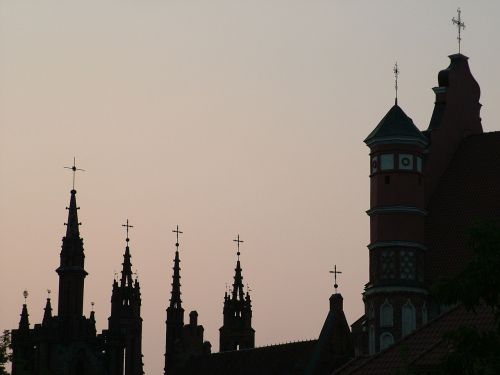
[335, 273]
[74, 169]
[127, 225]
[238, 241]
[396, 75]
[177, 232]
[460, 26]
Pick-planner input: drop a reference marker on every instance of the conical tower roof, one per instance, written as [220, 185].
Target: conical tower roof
[396, 127]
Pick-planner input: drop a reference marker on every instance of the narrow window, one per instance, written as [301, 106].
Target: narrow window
[386, 314]
[408, 318]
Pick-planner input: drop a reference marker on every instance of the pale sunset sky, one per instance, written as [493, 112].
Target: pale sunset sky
[222, 117]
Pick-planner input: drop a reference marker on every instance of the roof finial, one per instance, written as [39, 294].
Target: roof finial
[48, 293]
[335, 273]
[460, 25]
[127, 226]
[74, 169]
[177, 232]
[396, 75]
[238, 241]
[92, 306]
[25, 295]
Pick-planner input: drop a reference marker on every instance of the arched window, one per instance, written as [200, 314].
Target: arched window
[371, 340]
[408, 318]
[386, 314]
[386, 340]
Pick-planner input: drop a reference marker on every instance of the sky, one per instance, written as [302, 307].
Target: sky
[222, 117]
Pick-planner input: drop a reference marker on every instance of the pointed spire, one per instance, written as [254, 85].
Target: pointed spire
[72, 230]
[126, 279]
[92, 313]
[237, 293]
[175, 300]
[47, 315]
[24, 323]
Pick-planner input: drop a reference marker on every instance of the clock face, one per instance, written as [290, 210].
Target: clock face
[405, 161]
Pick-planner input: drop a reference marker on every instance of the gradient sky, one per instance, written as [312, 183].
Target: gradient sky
[223, 117]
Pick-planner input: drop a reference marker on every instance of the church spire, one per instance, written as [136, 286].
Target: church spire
[47, 315]
[175, 300]
[175, 315]
[126, 280]
[24, 323]
[237, 293]
[71, 269]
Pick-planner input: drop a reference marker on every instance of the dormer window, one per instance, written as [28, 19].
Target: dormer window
[386, 161]
[406, 161]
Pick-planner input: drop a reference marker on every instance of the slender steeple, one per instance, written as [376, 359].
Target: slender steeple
[125, 322]
[175, 314]
[24, 323]
[175, 299]
[47, 315]
[71, 270]
[237, 332]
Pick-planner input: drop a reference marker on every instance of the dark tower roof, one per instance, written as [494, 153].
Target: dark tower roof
[72, 230]
[126, 280]
[47, 315]
[24, 323]
[175, 299]
[396, 127]
[238, 293]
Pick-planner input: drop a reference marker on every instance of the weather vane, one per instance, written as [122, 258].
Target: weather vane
[74, 169]
[127, 226]
[238, 241]
[396, 76]
[177, 232]
[460, 26]
[335, 273]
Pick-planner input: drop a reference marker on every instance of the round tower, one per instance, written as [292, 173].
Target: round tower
[395, 296]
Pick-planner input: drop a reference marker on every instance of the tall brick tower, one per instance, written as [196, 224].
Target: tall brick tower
[395, 297]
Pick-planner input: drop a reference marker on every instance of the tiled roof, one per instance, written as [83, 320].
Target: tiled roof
[469, 190]
[424, 348]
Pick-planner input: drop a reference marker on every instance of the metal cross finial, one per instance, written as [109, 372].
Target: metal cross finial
[460, 25]
[127, 226]
[74, 169]
[177, 232]
[335, 273]
[396, 76]
[238, 241]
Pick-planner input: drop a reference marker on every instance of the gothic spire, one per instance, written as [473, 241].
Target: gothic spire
[126, 280]
[175, 300]
[24, 323]
[238, 293]
[72, 230]
[47, 315]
